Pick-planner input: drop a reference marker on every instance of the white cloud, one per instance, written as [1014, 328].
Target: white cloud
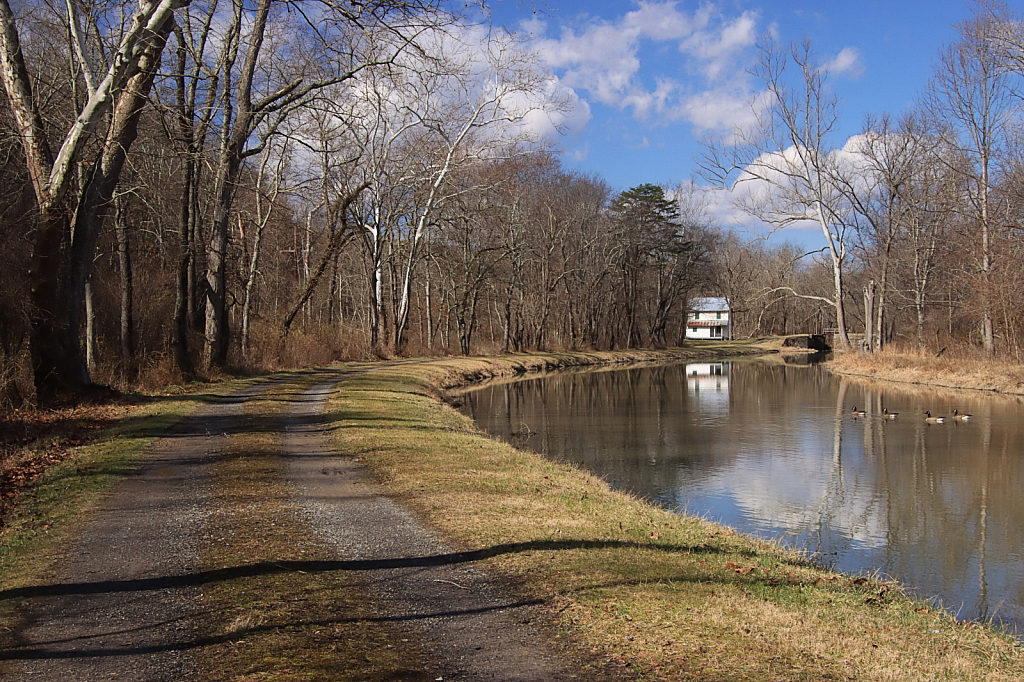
[580, 153]
[753, 186]
[717, 50]
[721, 111]
[848, 61]
[570, 114]
[602, 58]
[662, 21]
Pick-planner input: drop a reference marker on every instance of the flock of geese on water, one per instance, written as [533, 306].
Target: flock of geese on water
[886, 414]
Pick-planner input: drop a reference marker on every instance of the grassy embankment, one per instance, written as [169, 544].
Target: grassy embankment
[950, 370]
[666, 596]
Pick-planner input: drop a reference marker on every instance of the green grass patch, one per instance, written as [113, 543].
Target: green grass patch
[664, 595]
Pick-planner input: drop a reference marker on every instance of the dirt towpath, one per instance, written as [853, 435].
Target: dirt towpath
[470, 627]
[124, 603]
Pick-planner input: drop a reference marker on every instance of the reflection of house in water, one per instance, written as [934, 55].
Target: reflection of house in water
[708, 384]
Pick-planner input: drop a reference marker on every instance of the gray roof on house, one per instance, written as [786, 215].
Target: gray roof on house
[709, 304]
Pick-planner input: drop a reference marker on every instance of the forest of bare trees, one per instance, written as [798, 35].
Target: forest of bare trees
[196, 185]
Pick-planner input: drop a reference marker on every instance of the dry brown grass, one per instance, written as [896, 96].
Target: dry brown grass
[663, 595]
[959, 369]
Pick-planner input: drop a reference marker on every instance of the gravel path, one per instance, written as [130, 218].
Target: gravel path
[470, 627]
[124, 603]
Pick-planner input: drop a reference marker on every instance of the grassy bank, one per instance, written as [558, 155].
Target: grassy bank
[950, 370]
[663, 596]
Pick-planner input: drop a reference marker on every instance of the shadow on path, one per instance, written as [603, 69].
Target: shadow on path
[40, 653]
[276, 567]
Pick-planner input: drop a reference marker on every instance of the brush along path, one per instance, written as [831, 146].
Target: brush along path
[468, 626]
[122, 604]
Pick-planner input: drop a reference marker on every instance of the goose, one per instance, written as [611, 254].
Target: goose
[889, 415]
[858, 413]
[933, 420]
[961, 417]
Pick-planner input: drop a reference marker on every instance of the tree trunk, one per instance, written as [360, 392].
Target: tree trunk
[869, 316]
[197, 256]
[90, 328]
[430, 313]
[249, 283]
[124, 258]
[373, 239]
[882, 337]
[58, 365]
[183, 301]
[837, 280]
[235, 135]
[216, 351]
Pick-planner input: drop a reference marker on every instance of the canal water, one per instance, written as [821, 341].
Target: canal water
[775, 450]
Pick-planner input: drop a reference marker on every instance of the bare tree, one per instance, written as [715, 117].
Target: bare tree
[784, 167]
[474, 108]
[543, 259]
[467, 249]
[116, 95]
[379, 125]
[891, 156]
[338, 43]
[341, 232]
[195, 89]
[268, 189]
[969, 97]
[1002, 28]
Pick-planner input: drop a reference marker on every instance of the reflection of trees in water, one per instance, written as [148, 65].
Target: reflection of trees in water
[832, 491]
[953, 503]
[620, 423]
[923, 502]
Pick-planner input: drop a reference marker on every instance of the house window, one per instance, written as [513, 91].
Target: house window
[719, 315]
[693, 329]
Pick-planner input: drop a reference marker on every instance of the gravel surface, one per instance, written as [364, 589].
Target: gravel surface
[122, 604]
[470, 627]
[125, 601]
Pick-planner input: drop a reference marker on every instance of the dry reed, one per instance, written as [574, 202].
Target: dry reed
[958, 369]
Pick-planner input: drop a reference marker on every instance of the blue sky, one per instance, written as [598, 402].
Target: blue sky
[651, 77]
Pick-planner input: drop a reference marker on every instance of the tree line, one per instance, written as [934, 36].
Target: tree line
[920, 213]
[196, 185]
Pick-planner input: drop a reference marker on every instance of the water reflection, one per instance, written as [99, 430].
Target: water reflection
[775, 450]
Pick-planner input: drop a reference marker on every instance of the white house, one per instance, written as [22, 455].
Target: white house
[709, 319]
